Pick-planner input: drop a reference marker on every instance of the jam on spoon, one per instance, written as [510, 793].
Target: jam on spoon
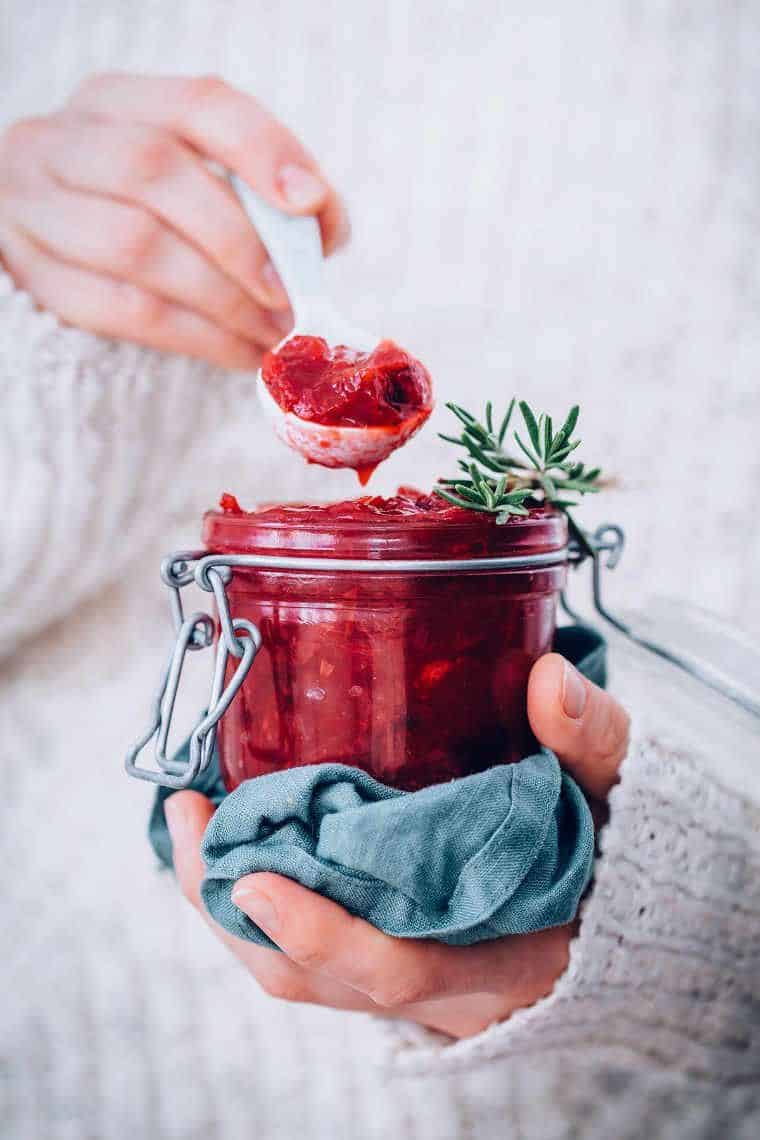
[343, 386]
[384, 395]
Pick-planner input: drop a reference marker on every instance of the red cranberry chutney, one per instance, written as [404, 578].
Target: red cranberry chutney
[416, 676]
[343, 387]
[410, 524]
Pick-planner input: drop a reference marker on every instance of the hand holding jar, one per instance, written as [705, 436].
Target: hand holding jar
[332, 958]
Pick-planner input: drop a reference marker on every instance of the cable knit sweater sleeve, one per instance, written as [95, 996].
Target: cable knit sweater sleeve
[94, 446]
[665, 970]
[666, 967]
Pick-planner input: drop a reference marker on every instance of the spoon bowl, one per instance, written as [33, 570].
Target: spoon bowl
[332, 445]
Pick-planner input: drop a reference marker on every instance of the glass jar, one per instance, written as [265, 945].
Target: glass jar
[416, 673]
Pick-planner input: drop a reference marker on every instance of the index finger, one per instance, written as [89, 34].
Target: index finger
[230, 127]
[319, 935]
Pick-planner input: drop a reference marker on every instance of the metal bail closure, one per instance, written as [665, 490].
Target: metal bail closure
[212, 572]
[193, 633]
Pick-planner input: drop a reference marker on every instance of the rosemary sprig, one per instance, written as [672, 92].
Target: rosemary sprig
[506, 483]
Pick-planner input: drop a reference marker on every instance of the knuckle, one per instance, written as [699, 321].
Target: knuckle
[310, 957]
[391, 995]
[202, 90]
[20, 134]
[134, 242]
[234, 308]
[262, 132]
[153, 156]
[283, 984]
[256, 131]
[91, 86]
[142, 310]
[246, 124]
[235, 246]
[394, 992]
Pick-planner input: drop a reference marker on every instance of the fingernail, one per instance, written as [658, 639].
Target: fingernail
[270, 278]
[573, 692]
[257, 906]
[299, 187]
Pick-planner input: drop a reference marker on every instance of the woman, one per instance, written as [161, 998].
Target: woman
[111, 223]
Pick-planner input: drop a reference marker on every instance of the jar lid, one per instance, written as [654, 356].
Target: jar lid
[408, 526]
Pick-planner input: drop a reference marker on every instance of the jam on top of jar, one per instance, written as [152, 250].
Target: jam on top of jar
[410, 523]
[407, 501]
[343, 387]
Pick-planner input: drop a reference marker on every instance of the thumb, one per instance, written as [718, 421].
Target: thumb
[583, 725]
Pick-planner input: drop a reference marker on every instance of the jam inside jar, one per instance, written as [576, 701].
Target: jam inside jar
[415, 675]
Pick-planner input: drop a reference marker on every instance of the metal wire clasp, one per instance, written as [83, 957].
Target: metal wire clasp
[191, 634]
[212, 573]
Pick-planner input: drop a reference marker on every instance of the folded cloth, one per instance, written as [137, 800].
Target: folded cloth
[505, 851]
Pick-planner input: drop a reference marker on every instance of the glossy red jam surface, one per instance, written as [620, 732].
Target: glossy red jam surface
[341, 386]
[410, 524]
[415, 676]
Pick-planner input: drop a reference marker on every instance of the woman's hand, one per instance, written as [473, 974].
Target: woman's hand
[334, 959]
[111, 217]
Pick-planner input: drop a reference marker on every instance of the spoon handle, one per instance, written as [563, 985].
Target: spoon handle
[294, 245]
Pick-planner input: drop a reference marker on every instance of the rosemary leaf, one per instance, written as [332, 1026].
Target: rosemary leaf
[461, 502]
[461, 414]
[505, 421]
[526, 451]
[564, 433]
[531, 424]
[548, 438]
[495, 482]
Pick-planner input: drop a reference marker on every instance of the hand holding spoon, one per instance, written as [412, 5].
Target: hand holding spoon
[294, 245]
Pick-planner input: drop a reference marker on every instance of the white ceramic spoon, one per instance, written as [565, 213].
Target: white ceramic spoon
[294, 245]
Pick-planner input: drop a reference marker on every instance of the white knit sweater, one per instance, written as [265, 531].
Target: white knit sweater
[557, 202]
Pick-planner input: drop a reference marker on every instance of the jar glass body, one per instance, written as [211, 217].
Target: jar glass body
[415, 676]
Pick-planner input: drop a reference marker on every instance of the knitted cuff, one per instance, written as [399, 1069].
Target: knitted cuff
[665, 970]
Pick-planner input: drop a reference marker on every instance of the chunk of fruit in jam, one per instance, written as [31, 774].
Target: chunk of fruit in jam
[340, 386]
[229, 504]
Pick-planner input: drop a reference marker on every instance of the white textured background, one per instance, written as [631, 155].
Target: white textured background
[559, 200]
